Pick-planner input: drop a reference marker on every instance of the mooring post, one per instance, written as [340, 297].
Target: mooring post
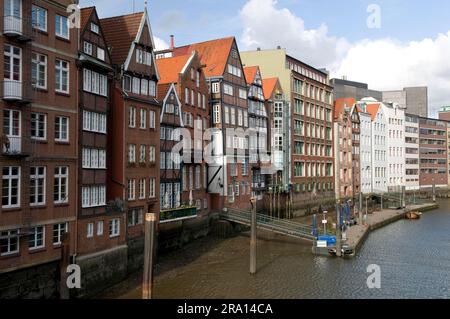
[253, 237]
[403, 196]
[338, 229]
[382, 202]
[149, 237]
[434, 193]
[360, 208]
[63, 264]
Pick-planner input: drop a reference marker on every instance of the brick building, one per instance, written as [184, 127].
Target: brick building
[343, 141]
[134, 123]
[229, 176]
[95, 76]
[259, 144]
[184, 78]
[38, 116]
[311, 120]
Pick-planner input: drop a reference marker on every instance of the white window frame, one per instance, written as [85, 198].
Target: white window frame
[10, 178]
[100, 228]
[38, 178]
[143, 119]
[152, 187]
[88, 47]
[60, 229]
[100, 54]
[34, 238]
[40, 25]
[62, 135]
[114, 228]
[36, 60]
[62, 68]
[59, 33]
[89, 230]
[59, 178]
[95, 28]
[10, 234]
[38, 121]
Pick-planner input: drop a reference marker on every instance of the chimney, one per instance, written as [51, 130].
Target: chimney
[344, 77]
[258, 49]
[172, 42]
[279, 47]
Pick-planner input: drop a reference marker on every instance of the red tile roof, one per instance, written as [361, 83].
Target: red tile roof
[170, 68]
[340, 104]
[120, 32]
[372, 109]
[162, 91]
[269, 86]
[214, 54]
[85, 14]
[250, 73]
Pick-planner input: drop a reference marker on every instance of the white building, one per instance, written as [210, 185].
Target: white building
[378, 129]
[412, 164]
[395, 143]
[365, 150]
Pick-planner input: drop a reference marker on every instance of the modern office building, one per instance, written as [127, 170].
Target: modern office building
[344, 88]
[413, 99]
[433, 153]
[412, 165]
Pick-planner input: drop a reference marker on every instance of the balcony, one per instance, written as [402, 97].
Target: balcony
[14, 146]
[177, 214]
[17, 27]
[15, 91]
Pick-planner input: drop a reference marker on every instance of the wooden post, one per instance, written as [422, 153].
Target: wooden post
[360, 208]
[147, 284]
[338, 230]
[63, 264]
[434, 193]
[253, 238]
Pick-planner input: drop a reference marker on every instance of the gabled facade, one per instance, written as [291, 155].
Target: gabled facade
[343, 130]
[134, 123]
[379, 152]
[186, 74]
[229, 177]
[365, 150]
[95, 75]
[356, 150]
[259, 146]
[395, 137]
[38, 121]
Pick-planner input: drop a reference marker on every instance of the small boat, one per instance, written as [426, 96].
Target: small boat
[413, 215]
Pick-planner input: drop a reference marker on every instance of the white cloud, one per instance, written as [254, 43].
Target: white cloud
[387, 64]
[266, 26]
[160, 44]
[384, 64]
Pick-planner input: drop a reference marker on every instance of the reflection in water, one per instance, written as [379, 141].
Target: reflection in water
[414, 257]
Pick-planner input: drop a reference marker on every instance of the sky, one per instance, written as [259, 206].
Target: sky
[389, 44]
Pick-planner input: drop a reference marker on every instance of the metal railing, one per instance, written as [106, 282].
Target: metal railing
[17, 27]
[13, 145]
[11, 90]
[281, 226]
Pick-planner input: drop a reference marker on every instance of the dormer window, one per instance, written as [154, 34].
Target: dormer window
[143, 57]
[95, 28]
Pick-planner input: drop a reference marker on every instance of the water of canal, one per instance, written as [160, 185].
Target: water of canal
[414, 258]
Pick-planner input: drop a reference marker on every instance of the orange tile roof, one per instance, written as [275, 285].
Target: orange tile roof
[269, 86]
[340, 104]
[214, 54]
[170, 68]
[250, 73]
[120, 32]
[85, 14]
[372, 109]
